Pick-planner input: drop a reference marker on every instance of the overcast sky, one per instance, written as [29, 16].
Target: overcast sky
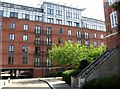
[94, 8]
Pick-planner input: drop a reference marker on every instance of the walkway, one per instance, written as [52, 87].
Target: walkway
[44, 83]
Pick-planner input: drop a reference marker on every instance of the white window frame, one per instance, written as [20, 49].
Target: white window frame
[69, 32]
[95, 44]
[12, 37]
[113, 19]
[95, 35]
[11, 48]
[111, 2]
[102, 44]
[25, 37]
[102, 36]
[25, 27]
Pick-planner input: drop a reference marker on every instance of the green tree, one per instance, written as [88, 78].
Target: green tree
[70, 54]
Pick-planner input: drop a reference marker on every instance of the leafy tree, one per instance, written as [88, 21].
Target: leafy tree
[70, 54]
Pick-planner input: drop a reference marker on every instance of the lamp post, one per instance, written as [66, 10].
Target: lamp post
[43, 44]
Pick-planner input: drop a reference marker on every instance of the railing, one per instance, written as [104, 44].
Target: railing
[37, 42]
[82, 36]
[37, 53]
[42, 64]
[91, 66]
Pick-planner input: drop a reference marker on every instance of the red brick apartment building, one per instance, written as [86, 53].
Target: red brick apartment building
[112, 22]
[24, 42]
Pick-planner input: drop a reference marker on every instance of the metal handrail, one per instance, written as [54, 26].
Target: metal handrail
[101, 62]
[94, 63]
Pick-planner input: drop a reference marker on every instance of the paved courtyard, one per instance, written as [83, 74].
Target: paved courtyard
[36, 83]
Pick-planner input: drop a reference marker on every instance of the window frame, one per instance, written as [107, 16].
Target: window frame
[25, 27]
[113, 19]
[59, 31]
[24, 60]
[69, 32]
[12, 25]
[25, 37]
[12, 36]
[49, 31]
[10, 60]
[11, 48]
[24, 49]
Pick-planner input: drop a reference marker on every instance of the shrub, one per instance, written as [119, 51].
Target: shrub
[57, 74]
[66, 75]
[112, 82]
[83, 64]
[89, 84]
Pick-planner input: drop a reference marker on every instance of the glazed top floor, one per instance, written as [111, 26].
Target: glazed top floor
[41, 14]
[6, 7]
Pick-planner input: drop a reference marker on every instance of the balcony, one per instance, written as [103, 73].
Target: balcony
[82, 36]
[42, 64]
[79, 36]
[37, 53]
[37, 42]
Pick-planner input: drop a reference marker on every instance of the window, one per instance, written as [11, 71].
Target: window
[69, 40]
[10, 60]
[0, 25]
[12, 25]
[50, 11]
[49, 31]
[50, 20]
[78, 34]
[60, 31]
[95, 35]
[13, 14]
[69, 14]
[76, 16]
[25, 37]
[69, 23]
[37, 29]
[95, 44]
[25, 26]
[24, 49]
[102, 36]
[59, 12]
[1, 13]
[38, 18]
[37, 40]
[87, 43]
[111, 2]
[102, 44]
[37, 62]
[79, 42]
[24, 60]
[86, 35]
[26, 16]
[59, 40]
[77, 24]
[37, 51]
[113, 19]
[49, 62]
[69, 32]
[49, 41]
[12, 36]
[11, 48]
[58, 21]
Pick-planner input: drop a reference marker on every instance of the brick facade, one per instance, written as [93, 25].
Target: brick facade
[42, 70]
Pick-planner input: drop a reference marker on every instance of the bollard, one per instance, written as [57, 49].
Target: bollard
[8, 80]
[4, 83]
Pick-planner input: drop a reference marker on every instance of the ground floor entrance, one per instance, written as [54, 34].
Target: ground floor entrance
[16, 73]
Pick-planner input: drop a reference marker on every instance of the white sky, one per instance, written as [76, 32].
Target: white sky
[94, 8]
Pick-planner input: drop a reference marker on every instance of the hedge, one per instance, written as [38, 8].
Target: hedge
[66, 75]
[112, 82]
